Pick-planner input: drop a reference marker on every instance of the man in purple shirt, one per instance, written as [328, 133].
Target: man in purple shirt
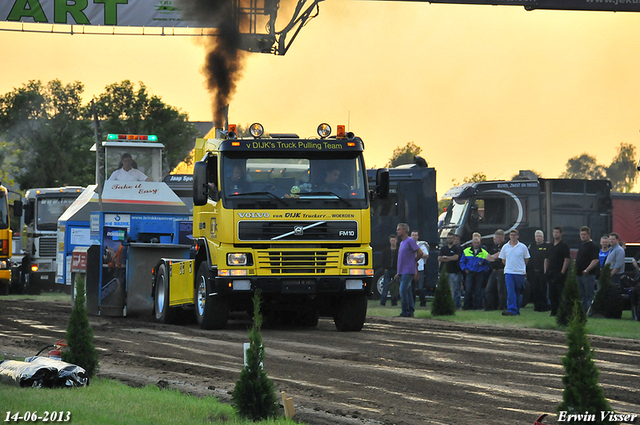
[408, 255]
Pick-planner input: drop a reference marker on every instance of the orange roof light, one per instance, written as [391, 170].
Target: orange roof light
[341, 132]
[233, 131]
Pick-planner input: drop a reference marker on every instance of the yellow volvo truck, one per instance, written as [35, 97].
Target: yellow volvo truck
[6, 237]
[6, 240]
[283, 214]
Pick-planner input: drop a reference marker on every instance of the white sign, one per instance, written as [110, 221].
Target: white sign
[117, 220]
[80, 236]
[95, 223]
[141, 13]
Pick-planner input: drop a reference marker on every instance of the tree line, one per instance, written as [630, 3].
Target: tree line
[622, 172]
[46, 131]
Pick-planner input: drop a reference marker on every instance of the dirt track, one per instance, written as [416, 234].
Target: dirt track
[396, 370]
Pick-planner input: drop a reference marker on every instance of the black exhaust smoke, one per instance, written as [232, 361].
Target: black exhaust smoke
[224, 59]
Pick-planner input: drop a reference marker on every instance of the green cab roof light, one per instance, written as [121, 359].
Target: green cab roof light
[149, 138]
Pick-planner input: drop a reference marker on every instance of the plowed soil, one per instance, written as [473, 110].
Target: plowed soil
[396, 370]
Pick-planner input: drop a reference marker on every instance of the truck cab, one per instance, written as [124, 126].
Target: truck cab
[42, 209]
[285, 215]
[528, 205]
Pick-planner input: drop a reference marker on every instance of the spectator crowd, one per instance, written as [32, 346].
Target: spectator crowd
[494, 278]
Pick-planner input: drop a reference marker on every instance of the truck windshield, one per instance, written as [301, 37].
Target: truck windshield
[48, 211]
[4, 211]
[455, 212]
[306, 181]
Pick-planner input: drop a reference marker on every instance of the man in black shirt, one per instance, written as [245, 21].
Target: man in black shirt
[390, 264]
[587, 266]
[556, 265]
[450, 256]
[535, 272]
[496, 291]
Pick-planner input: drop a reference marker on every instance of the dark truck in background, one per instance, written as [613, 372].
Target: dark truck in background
[413, 200]
[528, 205]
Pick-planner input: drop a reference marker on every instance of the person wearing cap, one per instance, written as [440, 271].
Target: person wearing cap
[128, 170]
[515, 257]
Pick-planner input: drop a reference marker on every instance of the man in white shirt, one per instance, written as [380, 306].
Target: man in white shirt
[127, 172]
[515, 257]
[424, 246]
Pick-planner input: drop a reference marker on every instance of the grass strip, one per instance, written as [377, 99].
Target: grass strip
[108, 402]
[618, 328]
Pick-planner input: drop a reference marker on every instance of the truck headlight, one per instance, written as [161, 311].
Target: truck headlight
[237, 259]
[355, 259]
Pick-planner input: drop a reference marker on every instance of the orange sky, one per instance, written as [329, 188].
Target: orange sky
[490, 89]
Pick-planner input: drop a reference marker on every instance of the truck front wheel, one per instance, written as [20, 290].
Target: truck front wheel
[351, 313]
[212, 311]
[164, 313]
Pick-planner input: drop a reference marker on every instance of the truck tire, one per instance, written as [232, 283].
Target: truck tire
[378, 280]
[635, 302]
[614, 302]
[351, 313]
[17, 282]
[4, 287]
[308, 315]
[30, 285]
[212, 311]
[164, 313]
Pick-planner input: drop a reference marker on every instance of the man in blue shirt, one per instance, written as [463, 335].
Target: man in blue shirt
[615, 258]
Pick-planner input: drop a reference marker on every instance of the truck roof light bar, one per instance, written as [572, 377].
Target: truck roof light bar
[143, 137]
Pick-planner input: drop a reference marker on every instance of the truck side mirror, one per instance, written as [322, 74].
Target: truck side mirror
[17, 208]
[382, 183]
[29, 210]
[200, 185]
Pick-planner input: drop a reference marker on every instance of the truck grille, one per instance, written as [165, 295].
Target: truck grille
[310, 262]
[47, 247]
[298, 230]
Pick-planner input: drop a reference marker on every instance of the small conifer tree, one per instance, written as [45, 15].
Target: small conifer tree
[570, 295]
[582, 394]
[254, 395]
[443, 304]
[80, 349]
